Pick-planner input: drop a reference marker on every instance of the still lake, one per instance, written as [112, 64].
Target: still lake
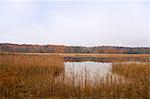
[78, 68]
[88, 70]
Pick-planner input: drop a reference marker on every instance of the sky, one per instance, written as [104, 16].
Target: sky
[78, 23]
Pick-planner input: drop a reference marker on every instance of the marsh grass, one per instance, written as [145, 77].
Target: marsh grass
[28, 75]
[138, 74]
[42, 76]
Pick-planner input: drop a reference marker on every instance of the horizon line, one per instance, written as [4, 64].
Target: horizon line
[75, 45]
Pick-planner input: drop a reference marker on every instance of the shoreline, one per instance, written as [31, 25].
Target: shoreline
[77, 57]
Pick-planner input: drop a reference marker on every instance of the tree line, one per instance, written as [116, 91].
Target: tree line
[26, 48]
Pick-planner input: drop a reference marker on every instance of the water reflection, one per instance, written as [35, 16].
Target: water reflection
[80, 71]
[88, 66]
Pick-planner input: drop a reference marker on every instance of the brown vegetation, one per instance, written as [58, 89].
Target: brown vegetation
[96, 57]
[107, 57]
[138, 74]
[25, 76]
[26, 48]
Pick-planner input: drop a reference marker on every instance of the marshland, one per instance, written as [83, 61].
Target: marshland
[74, 49]
[51, 76]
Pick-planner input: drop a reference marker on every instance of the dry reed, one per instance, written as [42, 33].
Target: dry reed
[28, 76]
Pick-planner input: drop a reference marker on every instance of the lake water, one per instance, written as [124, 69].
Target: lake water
[87, 70]
[88, 66]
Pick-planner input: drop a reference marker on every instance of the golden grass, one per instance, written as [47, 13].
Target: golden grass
[32, 76]
[97, 57]
[92, 55]
[137, 73]
[21, 75]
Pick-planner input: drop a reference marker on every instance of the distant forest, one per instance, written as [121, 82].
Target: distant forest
[25, 48]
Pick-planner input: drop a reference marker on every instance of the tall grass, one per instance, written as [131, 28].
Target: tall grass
[32, 76]
[138, 74]
[28, 75]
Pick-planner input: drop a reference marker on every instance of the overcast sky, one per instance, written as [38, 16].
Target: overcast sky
[85, 23]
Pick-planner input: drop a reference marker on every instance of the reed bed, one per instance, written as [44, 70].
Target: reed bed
[27, 75]
[97, 57]
[138, 74]
[42, 76]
